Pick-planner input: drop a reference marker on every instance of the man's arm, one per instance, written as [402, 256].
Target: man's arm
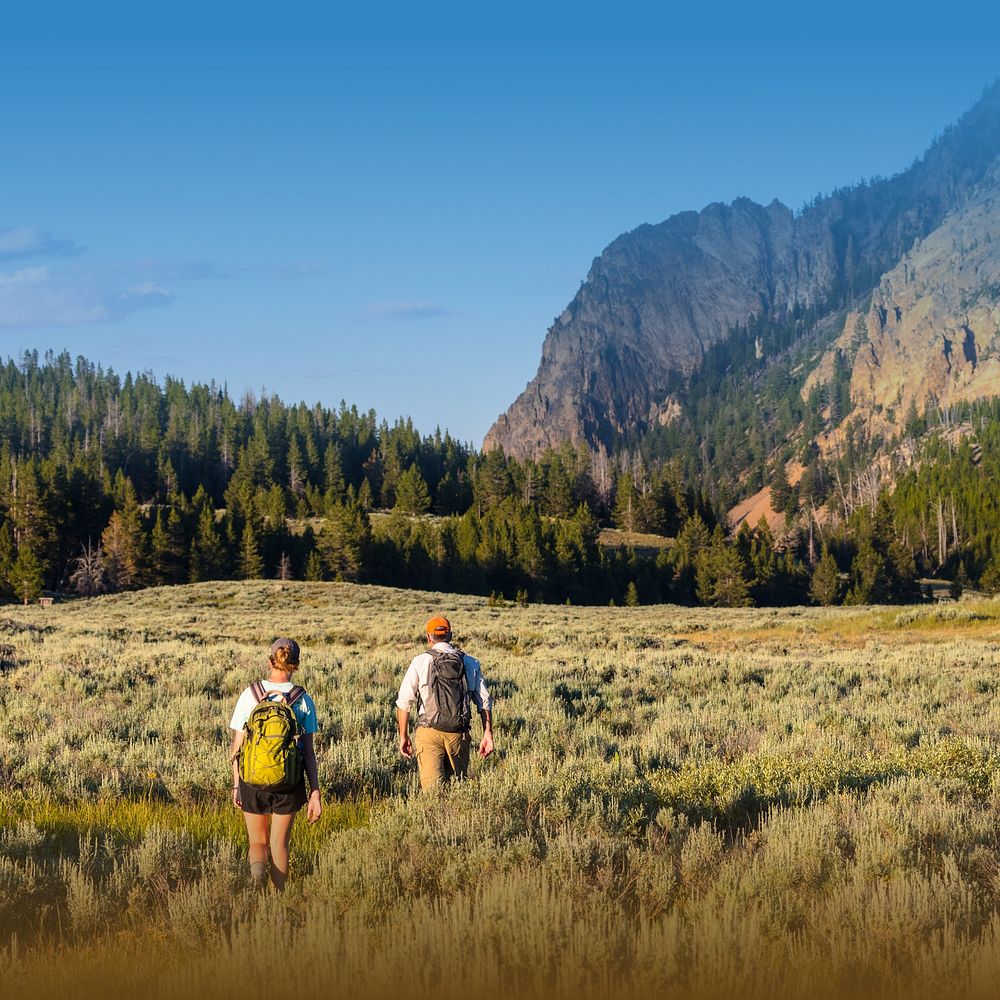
[403, 721]
[486, 744]
[409, 692]
[481, 696]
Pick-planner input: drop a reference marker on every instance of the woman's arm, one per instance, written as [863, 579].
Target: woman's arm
[234, 756]
[315, 807]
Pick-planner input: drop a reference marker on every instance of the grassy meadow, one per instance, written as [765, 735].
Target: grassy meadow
[684, 802]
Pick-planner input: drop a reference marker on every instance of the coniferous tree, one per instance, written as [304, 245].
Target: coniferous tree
[120, 556]
[159, 549]
[314, 566]
[251, 563]
[721, 574]
[692, 539]
[366, 496]
[333, 474]
[8, 556]
[208, 557]
[411, 492]
[627, 511]
[26, 576]
[344, 542]
[870, 576]
[175, 556]
[990, 580]
[825, 586]
[781, 491]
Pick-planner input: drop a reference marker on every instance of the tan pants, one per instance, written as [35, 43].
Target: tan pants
[440, 756]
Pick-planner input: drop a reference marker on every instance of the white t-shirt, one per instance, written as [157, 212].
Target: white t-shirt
[416, 680]
[304, 709]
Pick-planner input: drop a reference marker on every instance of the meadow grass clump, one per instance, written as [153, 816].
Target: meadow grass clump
[795, 802]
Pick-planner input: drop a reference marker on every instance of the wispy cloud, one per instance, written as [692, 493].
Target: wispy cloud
[20, 242]
[36, 296]
[67, 292]
[403, 311]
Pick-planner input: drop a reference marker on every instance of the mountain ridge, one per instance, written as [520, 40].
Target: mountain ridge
[662, 295]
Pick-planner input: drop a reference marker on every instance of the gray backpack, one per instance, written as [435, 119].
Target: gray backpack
[447, 706]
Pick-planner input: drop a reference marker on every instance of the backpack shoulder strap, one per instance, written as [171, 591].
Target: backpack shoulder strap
[293, 696]
[257, 689]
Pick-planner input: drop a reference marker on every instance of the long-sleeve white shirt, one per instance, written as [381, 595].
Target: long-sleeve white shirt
[415, 681]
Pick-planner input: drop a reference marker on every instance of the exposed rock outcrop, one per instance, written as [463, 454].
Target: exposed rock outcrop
[933, 331]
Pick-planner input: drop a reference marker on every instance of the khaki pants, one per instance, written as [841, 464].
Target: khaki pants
[440, 756]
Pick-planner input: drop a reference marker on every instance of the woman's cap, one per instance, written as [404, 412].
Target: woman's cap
[439, 627]
[290, 644]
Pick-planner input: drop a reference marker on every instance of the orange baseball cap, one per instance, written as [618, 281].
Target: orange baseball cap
[438, 627]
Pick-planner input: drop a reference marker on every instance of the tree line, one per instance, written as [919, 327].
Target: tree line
[112, 483]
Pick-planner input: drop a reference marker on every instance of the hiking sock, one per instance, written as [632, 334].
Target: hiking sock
[258, 873]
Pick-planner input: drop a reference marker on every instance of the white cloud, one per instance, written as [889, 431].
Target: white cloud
[18, 242]
[407, 310]
[35, 296]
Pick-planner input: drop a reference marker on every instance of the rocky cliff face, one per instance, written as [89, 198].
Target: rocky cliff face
[659, 296]
[932, 334]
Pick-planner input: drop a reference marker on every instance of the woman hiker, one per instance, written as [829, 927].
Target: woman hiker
[269, 772]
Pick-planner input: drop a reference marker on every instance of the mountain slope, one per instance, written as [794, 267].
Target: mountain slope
[932, 334]
[660, 296]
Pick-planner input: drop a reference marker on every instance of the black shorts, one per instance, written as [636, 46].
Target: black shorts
[261, 801]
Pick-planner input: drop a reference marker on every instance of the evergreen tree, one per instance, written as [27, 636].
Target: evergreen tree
[26, 576]
[251, 564]
[632, 595]
[558, 491]
[870, 576]
[411, 492]
[825, 587]
[344, 541]
[333, 474]
[989, 581]
[8, 556]
[174, 558]
[366, 500]
[781, 491]
[314, 566]
[721, 574]
[120, 560]
[627, 513]
[960, 581]
[492, 482]
[208, 557]
[692, 539]
[160, 547]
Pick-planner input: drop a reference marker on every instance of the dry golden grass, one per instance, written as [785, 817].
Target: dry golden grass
[685, 802]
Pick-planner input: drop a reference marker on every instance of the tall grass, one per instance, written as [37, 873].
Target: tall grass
[693, 803]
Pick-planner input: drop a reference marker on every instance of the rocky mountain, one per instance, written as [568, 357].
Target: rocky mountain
[932, 332]
[658, 298]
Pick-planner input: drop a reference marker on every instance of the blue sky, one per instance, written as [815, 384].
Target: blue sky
[391, 207]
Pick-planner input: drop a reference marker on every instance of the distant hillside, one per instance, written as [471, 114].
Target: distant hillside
[733, 288]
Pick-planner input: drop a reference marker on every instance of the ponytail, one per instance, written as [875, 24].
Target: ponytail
[281, 660]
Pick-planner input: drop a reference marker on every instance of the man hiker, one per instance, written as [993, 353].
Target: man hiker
[443, 680]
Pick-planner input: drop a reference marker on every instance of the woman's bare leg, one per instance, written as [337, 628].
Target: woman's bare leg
[257, 852]
[281, 835]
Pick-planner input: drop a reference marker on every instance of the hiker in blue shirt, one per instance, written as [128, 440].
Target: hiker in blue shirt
[271, 799]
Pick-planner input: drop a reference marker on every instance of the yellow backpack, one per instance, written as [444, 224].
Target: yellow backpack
[270, 756]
